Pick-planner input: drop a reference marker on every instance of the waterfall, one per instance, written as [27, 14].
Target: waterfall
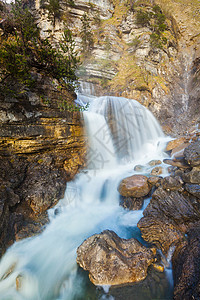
[121, 133]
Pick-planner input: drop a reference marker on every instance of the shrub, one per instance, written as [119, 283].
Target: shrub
[86, 34]
[23, 52]
[142, 18]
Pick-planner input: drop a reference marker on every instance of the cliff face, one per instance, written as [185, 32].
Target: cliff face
[128, 59]
[41, 148]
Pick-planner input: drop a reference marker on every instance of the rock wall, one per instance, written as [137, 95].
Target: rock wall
[124, 62]
[41, 148]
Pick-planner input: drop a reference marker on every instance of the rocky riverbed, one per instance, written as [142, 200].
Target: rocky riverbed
[171, 221]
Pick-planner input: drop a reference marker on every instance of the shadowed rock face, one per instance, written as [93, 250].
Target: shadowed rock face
[186, 262]
[173, 217]
[111, 260]
[41, 148]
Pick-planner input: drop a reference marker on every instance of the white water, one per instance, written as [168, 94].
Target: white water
[45, 266]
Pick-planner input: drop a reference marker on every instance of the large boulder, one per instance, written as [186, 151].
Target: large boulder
[167, 217]
[134, 186]
[111, 260]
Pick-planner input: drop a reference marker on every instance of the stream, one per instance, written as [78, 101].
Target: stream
[121, 134]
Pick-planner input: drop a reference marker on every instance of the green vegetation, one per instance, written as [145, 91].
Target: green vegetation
[155, 20]
[86, 34]
[54, 8]
[23, 53]
[143, 18]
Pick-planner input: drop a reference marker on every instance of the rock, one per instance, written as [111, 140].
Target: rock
[171, 169]
[172, 183]
[167, 217]
[111, 260]
[159, 231]
[175, 163]
[134, 186]
[192, 176]
[186, 262]
[39, 146]
[158, 267]
[176, 152]
[154, 180]
[175, 143]
[138, 168]
[157, 171]
[131, 203]
[155, 162]
[192, 154]
[193, 189]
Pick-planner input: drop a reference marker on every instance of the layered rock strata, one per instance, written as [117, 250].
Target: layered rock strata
[41, 148]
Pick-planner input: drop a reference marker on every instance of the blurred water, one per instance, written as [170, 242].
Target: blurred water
[121, 134]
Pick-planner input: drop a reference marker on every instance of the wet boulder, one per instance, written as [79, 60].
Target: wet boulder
[134, 186]
[157, 171]
[175, 143]
[111, 260]
[177, 163]
[155, 162]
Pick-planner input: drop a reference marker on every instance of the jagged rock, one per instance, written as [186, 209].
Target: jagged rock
[159, 231]
[171, 169]
[166, 218]
[172, 183]
[134, 186]
[111, 260]
[178, 151]
[192, 176]
[192, 154]
[157, 171]
[131, 203]
[154, 180]
[193, 189]
[186, 262]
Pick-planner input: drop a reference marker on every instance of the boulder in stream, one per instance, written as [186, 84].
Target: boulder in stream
[134, 186]
[111, 260]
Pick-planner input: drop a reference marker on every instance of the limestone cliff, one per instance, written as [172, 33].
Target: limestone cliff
[41, 148]
[127, 58]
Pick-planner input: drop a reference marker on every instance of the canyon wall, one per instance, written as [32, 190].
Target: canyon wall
[128, 59]
[41, 148]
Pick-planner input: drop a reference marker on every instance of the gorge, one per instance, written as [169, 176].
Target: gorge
[142, 50]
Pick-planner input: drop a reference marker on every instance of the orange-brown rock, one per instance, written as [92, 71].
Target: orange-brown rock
[155, 162]
[134, 186]
[157, 171]
[175, 143]
[39, 147]
[111, 260]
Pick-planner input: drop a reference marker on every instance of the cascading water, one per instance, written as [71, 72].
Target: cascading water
[121, 134]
